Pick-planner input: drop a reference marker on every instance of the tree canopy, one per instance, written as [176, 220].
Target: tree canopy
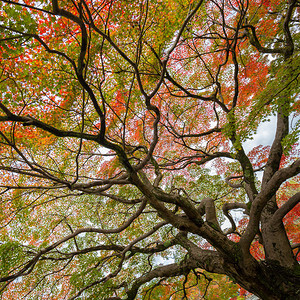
[123, 127]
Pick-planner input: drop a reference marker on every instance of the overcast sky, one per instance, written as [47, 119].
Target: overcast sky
[264, 136]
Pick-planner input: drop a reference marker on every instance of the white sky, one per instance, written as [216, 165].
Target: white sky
[264, 136]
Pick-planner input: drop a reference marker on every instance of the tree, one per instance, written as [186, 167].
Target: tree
[122, 136]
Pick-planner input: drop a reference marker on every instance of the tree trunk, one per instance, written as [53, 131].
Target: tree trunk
[267, 280]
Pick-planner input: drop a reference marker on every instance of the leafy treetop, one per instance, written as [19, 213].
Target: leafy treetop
[122, 131]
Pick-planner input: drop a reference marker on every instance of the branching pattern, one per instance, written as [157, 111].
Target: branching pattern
[122, 148]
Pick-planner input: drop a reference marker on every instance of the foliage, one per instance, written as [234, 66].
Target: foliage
[123, 127]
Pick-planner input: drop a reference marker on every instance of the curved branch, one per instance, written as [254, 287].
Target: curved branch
[288, 49]
[207, 207]
[235, 186]
[126, 249]
[285, 208]
[30, 121]
[150, 250]
[229, 206]
[276, 150]
[171, 270]
[247, 186]
[295, 246]
[189, 94]
[28, 6]
[199, 258]
[121, 200]
[263, 197]
[84, 36]
[46, 47]
[253, 39]
[29, 266]
[188, 160]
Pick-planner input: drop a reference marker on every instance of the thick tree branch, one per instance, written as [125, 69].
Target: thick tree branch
[276, 150]
[285, 208]
[255, 42]
[207, 207]
[208, 260]
[229, 206]
[30, 121]
[263, 197]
